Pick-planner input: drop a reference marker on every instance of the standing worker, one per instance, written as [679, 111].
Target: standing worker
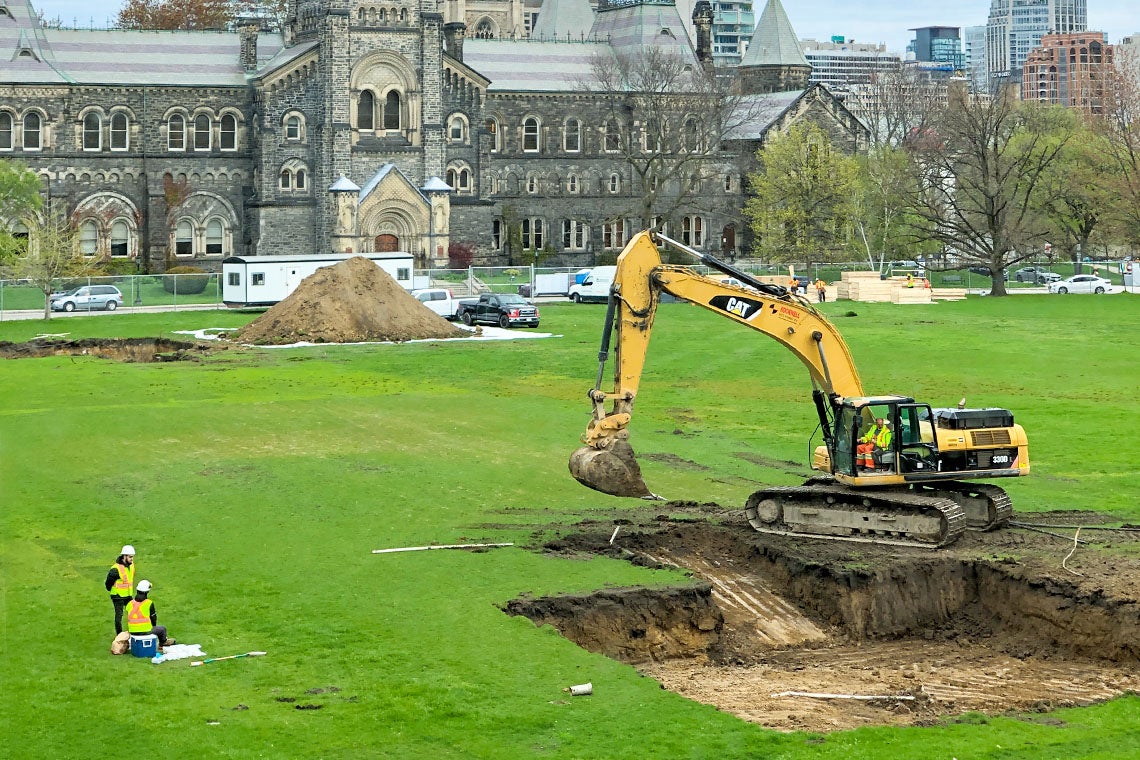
[877, 438]
[910, 280]
[821, 289]
[793, 285]
[121, 583]
[142, 617]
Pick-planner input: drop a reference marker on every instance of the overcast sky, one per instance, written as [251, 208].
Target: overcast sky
[861, 20]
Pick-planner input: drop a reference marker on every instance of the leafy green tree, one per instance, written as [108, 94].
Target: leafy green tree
[1077, 191]
[19, 201]
[52, 255]
[1121, 129]
[974, 178]
[803, 197]
[879, 204]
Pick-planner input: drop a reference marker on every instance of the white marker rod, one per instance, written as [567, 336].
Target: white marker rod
[438, 546]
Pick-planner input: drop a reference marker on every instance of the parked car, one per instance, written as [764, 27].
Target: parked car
[439, 300]
[985, 271]
[87, 298]
[1035, 274]
[1081, 283]
[502, 309]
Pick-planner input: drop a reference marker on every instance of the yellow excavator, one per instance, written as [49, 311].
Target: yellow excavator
[913, 486]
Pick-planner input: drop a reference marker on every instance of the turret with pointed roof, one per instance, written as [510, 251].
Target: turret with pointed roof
[563, 19]
[775, 62]
[631, 25]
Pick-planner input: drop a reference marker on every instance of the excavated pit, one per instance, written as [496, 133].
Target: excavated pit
[119, 349]
[1001, 622]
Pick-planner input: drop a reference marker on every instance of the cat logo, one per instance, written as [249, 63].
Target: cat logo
[741, 308]
[738, 307]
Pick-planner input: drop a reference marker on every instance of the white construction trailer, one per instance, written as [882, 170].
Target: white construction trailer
[265, 280]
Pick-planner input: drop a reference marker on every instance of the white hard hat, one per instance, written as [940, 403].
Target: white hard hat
[144, 586]
[128, 549]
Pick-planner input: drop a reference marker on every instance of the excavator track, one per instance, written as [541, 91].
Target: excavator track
[888, 517]
[987, 507]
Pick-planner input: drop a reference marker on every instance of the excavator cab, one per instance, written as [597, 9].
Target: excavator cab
[909, 447]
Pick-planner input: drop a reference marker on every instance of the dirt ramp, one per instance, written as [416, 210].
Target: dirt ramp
[354, 301]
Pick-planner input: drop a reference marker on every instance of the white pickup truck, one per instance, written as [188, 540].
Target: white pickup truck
[439, 300]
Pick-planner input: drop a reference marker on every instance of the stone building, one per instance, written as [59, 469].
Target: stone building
[368, 125]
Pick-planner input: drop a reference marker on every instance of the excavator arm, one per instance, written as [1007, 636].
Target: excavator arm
[606, 463]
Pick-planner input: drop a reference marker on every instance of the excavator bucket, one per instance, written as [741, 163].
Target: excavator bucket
[613, 470]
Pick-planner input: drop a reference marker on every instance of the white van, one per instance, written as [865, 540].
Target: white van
[595, 287]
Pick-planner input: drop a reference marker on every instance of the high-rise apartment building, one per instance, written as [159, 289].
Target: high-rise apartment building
[974, 44]
[1016, 26]
[1069, 70]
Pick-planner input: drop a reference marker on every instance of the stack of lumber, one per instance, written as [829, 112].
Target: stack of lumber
[863, 286]
[948, 294]
[902, 294]
[869, 287]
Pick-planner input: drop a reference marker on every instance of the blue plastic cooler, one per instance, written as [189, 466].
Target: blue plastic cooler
[144, 646]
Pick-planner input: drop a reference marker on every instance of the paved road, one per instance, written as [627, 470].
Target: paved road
[15, 315]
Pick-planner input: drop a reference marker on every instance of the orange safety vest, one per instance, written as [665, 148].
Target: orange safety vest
[126, 584]
[138, 616]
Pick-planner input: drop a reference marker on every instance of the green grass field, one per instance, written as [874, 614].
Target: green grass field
[255, 484]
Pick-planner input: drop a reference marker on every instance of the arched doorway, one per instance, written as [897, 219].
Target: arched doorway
[387, 243]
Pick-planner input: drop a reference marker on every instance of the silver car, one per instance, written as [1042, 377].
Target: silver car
[87, 298]
[1081, 283]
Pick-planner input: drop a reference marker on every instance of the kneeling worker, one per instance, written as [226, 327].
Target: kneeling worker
[142, 617]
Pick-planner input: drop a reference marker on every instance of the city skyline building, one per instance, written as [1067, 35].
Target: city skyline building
[734, 23]
[1069, 70]
[1015, 27]
[974, 53]
[839, 64]
[938, 44]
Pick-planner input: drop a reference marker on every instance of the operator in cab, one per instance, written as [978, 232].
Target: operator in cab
[877, 438]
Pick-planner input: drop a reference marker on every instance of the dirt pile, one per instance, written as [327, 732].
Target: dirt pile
[351, 302]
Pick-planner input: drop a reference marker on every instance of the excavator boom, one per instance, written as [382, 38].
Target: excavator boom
[607, 463]
[906, 488]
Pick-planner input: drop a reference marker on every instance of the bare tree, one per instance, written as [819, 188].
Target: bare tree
[975, 178]
[51, 256]
[897, 103]
[667, 118]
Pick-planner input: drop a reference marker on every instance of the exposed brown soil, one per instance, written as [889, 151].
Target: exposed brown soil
[354, 301]
[119, 349]
[1001, 621]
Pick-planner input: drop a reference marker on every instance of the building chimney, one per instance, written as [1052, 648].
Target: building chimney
[453, 33]
[248, 33]
[702, 20]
